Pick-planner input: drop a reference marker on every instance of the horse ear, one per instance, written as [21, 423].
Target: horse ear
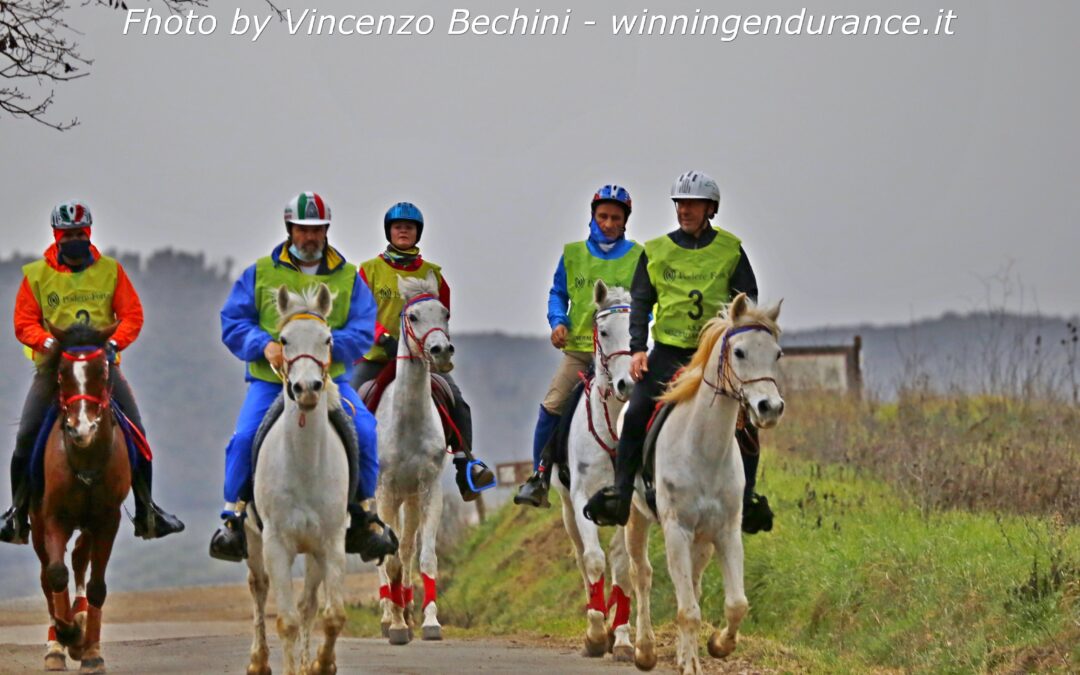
[738, 307]
[600, 292]
[56, 332]
[323, 300]
[774, 312]
[401, 289]
[107, 331]
[282, 300]
[432, 281]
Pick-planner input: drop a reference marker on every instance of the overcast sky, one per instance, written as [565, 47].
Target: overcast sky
[871, 179]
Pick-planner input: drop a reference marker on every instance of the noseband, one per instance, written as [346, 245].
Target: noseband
[727, 382]
[407, 327]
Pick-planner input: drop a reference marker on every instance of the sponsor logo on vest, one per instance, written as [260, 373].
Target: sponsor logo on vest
[53, 300]
[385, 293]
[580, 282]
[83, 317]
[671, 274]
[85, 297]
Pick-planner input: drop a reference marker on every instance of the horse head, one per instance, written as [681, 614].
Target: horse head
[425, 323]
[82, 371]
[747, 359]
[611, 339]
[306, 343]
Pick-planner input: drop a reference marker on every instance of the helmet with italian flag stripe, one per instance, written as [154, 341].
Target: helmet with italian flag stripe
[307, 208]
[71, 215]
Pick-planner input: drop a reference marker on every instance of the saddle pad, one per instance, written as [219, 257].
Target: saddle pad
[652, 431]
[136, 444]
[371, 393]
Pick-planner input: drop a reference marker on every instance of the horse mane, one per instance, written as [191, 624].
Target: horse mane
[75, 335]
[685, 386]
[307, 304]
[616, 295]
[414, 286]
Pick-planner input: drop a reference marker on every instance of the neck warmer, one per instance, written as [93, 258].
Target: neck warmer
[401, 258]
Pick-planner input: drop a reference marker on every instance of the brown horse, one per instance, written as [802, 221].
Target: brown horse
[87, 478]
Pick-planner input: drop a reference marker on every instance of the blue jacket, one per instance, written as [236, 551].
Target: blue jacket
[241, 333]
[559, 296]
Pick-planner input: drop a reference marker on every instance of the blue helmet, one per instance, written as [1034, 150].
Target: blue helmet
[404, 211]
[612, 193]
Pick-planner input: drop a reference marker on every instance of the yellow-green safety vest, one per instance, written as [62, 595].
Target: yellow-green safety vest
[269, 276]
[67, 298]
[692, 285]
[382, 279]
[582, 271]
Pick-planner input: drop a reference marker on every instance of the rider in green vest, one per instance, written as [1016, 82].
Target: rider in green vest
[608, 255]
[75, 283]
[403, 225]
[684, 277]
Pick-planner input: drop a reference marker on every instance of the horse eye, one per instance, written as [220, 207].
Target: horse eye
[740, 354]
[779, 355]
[603, 333]
[328, 340]
[284, 342]
[412, 317]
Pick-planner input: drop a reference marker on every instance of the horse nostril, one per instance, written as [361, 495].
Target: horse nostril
[780, 408]
[450, 349]
[763, 406]
[296, 388]
[436, 350]
[317, 386]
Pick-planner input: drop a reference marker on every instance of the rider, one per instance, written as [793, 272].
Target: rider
[688, 275]
[403, 225]
[608, 255]
[249, 329]
[75, 283]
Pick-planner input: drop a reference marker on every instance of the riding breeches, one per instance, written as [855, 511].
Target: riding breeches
[260, 396]
[565, 379]
[42, 394]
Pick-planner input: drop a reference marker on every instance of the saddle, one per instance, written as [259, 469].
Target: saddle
[371, 393]
[748, 444]
[137, 445]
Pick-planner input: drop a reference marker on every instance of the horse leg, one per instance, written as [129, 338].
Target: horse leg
[80, 560]
[410, 526]
[259, 585]
[101, 550]
[594, 563]
[309, 603]
[279, 558]
[679, 541]
[388, 511]
[333, 614]
[619, 636]
[571, 527]
[432, 505]
[55, 658]
[637, 548]
[729, 550]
[55, 575]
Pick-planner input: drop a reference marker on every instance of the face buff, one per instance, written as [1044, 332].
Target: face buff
[304, 257]
[76, 250]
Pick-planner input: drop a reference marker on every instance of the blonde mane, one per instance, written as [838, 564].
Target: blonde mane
[685, 386]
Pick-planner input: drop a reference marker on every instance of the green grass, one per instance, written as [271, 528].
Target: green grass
[853, 578]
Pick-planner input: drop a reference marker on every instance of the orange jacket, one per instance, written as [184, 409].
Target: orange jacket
[126, 307]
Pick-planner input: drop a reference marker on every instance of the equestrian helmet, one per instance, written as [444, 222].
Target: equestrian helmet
[307, 208]
[614, 194]
[695, 185]
[71, 215]
[404, 211]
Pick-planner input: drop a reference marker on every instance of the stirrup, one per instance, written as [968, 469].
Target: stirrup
[229, 541]
[483, 469]
[360, 538]
[606, 506]
[534, 492]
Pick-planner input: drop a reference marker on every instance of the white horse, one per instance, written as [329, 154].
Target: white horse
[412, 456]
[301, 490]
[590, 457]
[699, 476]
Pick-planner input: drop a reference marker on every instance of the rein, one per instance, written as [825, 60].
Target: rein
[408, 331]
[728, 383]
[605, 359]
[607, 417]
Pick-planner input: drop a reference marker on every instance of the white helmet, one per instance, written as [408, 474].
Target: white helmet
[695, 185]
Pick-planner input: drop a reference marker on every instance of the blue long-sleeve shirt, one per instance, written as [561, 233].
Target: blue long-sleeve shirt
[246, 339]
[559, 295]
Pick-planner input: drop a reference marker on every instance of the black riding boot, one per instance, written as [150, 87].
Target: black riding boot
[757, 516]
[151, 521]
[15, 526]
[229, 542]
[473, 476]
[367, 535]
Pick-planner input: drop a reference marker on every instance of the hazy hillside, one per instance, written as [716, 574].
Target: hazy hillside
[190, 389]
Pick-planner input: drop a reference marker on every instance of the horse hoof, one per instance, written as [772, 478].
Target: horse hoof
[93, 666]
[398, 636]
[55, 662]
[720, 645]
[644, 661]
[431, 633]
[386, 629]
[594, 649]
[75, 652]
[319, 669]
[610, 641]
[623, 654]
[253, 669]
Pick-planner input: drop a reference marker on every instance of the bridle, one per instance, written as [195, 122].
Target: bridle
[728, 383]
[605, 393]
[324, 366]
[82, 355]
[410, 333]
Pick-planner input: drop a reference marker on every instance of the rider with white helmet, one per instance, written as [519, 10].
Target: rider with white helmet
[688, 275]
[608, 255]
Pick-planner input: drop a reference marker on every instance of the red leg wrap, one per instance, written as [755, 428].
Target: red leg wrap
[52, 633]
[397, 595]
[407, 593]
[596, 596]
[384, 592]
[80, 604]
[621, 602]
[429, 589]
